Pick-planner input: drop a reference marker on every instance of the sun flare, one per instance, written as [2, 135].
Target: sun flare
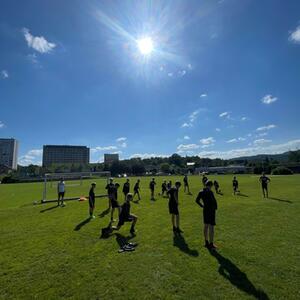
[145, 45]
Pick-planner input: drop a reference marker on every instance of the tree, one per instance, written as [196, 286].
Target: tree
[165, 168]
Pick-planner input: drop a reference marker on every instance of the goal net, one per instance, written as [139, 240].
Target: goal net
[76, 184]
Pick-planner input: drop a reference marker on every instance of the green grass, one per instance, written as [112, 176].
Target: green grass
[43, 257]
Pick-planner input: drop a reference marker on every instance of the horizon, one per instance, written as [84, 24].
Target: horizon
[214, 79]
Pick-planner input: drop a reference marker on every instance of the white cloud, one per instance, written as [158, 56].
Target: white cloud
[268, 99]
[208, 141]
[295, 36]
[262, 134]
[203, 95]
[218, 129]
[122, 141]
[4, 74]
[32, 157]
[33, 58]
[261, 149]
[186, 137]
[105, 148]
[2, 125]
[186, 125]
[225, 114]
[147, 155]
[261, 142]
[187, 147]
[190, 67]
[268, 127]
[170, 74]
[182, 73]
[244, 119]
[38, 43]
[235, 140]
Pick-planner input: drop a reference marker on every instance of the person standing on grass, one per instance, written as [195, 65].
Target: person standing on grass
[92, 200]
[126, 216]
[186, 184]
[152, 187]
[264, 180]
[110, 187]
[169, 185]
[206, 199]
[164, 188]
[114, 201]
[204, 179]
[173, 207]
[216, 185]
[61, 192]
[136, 190]
[235, 185]
[126, 188]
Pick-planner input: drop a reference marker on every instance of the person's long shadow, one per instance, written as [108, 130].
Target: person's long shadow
[123, 240]
[236, 277]
[179, 242]
[49, 208]
[242, 195]
[81, 224]
[281, 200]
[104, 213]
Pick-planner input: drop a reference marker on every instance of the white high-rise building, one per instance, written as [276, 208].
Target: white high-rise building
[9, 153]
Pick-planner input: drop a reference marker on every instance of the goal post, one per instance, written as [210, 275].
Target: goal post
[72, 180]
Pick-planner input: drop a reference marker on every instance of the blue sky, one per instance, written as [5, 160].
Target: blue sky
[222, 79]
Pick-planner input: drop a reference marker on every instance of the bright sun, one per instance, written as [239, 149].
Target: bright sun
[145, 45]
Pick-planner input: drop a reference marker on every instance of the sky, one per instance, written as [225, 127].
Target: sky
[214, 78]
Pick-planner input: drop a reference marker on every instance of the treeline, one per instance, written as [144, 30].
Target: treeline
[175, 164]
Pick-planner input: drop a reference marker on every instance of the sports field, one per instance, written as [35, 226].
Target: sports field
[49, 252]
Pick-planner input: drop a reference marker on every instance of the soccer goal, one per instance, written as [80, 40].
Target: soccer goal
[72, 182]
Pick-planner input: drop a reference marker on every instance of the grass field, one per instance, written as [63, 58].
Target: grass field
[48, 252]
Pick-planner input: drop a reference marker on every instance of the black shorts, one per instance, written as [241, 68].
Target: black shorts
[235, 188]
[127, 219]
[91, 202]
[186, 184]
[114, 203]
[209, 216]
[136, 191]
[173, 208]
[61, 194]
[264, 186]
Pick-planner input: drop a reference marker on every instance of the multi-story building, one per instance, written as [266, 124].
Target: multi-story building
[64, 154]
[9, 153]
[110, 158]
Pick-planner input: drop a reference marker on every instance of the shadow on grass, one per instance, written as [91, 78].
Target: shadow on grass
[123, 240]
[104, 213]
[280, 200]
[236, 277]
[179, 242]
[49, 208]
[84, 222]
[242, 195]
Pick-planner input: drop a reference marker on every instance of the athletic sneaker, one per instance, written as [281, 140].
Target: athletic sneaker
[206, 244]
[212, 246]
[128, 248]
[133, 244]
[92, 217]
[179, 230]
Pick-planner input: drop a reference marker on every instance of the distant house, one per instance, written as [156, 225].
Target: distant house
[110, 158]
[231, 169]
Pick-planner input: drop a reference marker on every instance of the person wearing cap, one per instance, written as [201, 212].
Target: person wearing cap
[206, 199]
[92, 200]
[110, 187]
[152, 187]
[61, 192]
[126, 216]
[136, 190]
[114, 201]
[173, 207]
[126, 187]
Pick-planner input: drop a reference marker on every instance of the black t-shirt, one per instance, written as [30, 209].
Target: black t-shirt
[126, 187]
[152, 185]
[173, 195]
[136, 186]
[264, 180]
[114, 192]
[92, 194]
[209, 200]
[125, 211]
[185, 180]
[235, 183]
[169, 185]
[164, 186]
[216, 184]
[110, 188]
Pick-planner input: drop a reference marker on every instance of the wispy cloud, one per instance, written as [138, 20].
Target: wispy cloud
[261, 149]
[261, 142]
[235, 140]
[186, 137]
[295, 36]
[4, 74]
[103, 148]
[2, 125]
[147, 155]
[187, 147]
[38, 43]
[192, 118]
[268, 127]
[218, 130]
[268, 99]
[207, 141]
[225, 115]
[122, 142]
[32, 157]
[203, 95]
[244, 119]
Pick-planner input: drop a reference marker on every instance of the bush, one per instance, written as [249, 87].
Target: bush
[282, 171]
[9, 179]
